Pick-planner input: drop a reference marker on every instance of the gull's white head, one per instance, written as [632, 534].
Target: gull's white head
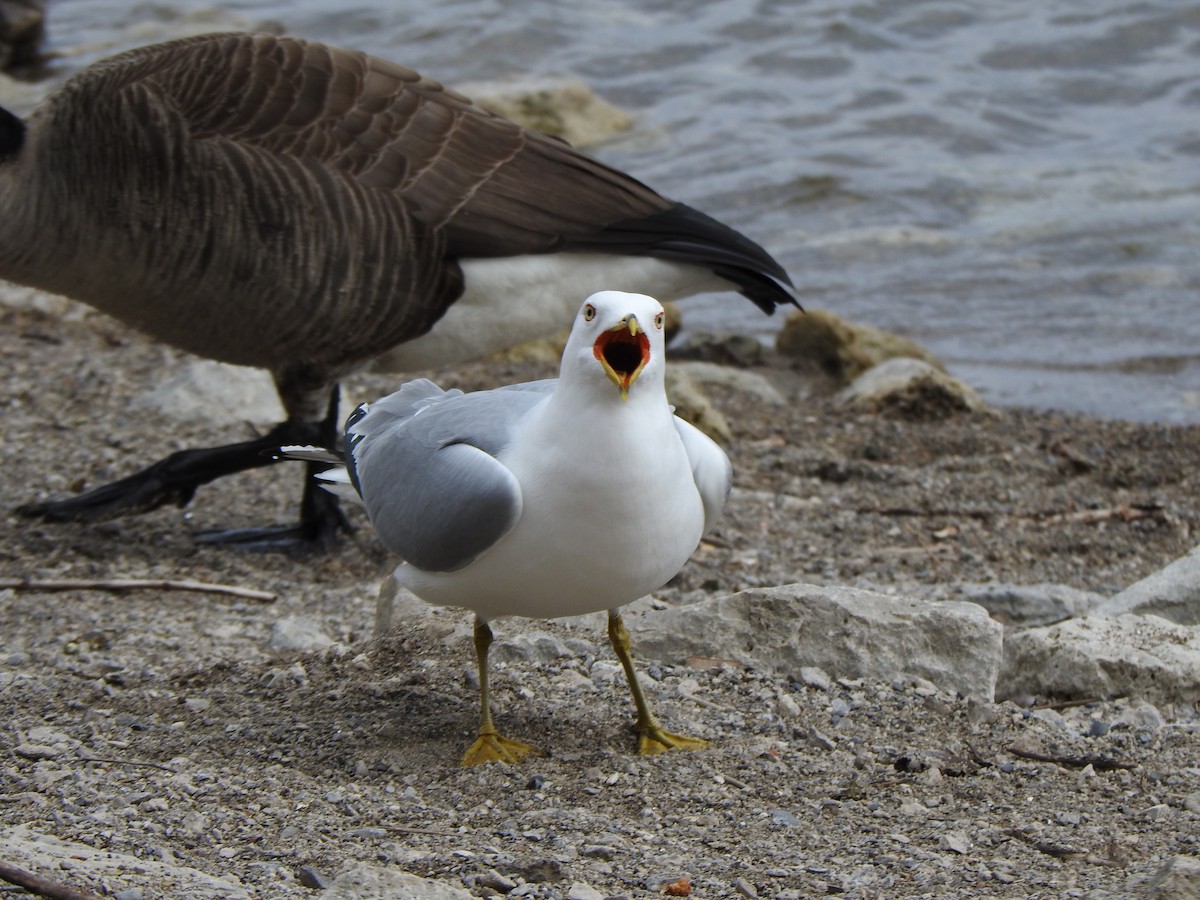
[620, 335]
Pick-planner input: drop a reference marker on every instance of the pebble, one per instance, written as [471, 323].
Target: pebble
[745, 888]
[580, 890]
[599, 851]
[815, 678]
[37, 751]
[313, 878]
[788, 707]
[954, 841]
[817, 739]
[1140, 716]
[300, 634]
[497, 882]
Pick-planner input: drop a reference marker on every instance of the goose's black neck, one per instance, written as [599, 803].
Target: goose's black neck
[12, 135]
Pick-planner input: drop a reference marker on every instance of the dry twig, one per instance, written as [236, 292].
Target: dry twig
[1126, 512]
[1056, 850]
[42, 887]
[133, 584]
[1099, 763]
[126, 762]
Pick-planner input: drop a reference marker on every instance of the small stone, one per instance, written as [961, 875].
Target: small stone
[819, 740]
[1178, 877]
[312, 878]
[542, 870]
[601, 851]
[815, 678]
[954, 841]
[783, 817]
[582, 891]
[788, 707]
[980, 712]
[299, 634]
[497, 882]
[217, 393]
[745, 888]
[37, 751]
[1141, 716]
[367, 833]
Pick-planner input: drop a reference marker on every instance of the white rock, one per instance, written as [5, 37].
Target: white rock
[582, 891]
[693, 405]
[1030, 605]
[529, 646]
[1177, 879]
[816, 677]
[361, 881]
[846, 632]
[82, 866]
[955, 841]
[904, 381]
[1140, 716]
[1172, 593]
[217, 393]
[16, 296]
[562, 107]
[1144, 657]
[749, 383]
[300, 634]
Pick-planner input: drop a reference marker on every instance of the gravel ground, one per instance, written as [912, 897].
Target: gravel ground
[161, 724]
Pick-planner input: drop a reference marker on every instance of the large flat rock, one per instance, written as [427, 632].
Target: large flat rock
[846, 632]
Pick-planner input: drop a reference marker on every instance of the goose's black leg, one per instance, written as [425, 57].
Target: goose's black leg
[173, 481]
[321, 515]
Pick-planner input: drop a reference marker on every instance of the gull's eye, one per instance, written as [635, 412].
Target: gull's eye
[658, 321]
[589, 312]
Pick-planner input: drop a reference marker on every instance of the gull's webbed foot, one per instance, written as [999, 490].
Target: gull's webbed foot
[492, 747]
[653, 740]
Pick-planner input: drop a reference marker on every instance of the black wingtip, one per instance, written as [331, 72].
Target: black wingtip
[12, 135]
[684, 234]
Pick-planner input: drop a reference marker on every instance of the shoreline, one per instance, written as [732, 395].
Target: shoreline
[205, 750]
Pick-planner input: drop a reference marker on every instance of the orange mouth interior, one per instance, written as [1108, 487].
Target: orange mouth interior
[623, 354]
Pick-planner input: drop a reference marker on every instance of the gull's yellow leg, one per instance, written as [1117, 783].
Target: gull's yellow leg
[489, 746]
[652, 738]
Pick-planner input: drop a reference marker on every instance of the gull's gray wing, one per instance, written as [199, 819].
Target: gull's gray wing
[423, 460]
[710, 469]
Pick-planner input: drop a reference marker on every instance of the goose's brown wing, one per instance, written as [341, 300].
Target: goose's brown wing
[494, 188]
[452, 163]
[323, 197]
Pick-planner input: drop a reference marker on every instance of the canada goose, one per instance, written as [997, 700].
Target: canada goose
[280, 203]
[550, 498]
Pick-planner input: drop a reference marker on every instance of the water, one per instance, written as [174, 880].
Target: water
[1015, 185]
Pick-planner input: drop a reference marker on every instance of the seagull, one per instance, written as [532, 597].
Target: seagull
[549, 498]
[280, 203]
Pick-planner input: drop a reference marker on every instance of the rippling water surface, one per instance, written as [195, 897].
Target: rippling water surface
[1013, 184]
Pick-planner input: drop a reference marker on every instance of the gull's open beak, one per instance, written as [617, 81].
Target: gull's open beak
[623, 351]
